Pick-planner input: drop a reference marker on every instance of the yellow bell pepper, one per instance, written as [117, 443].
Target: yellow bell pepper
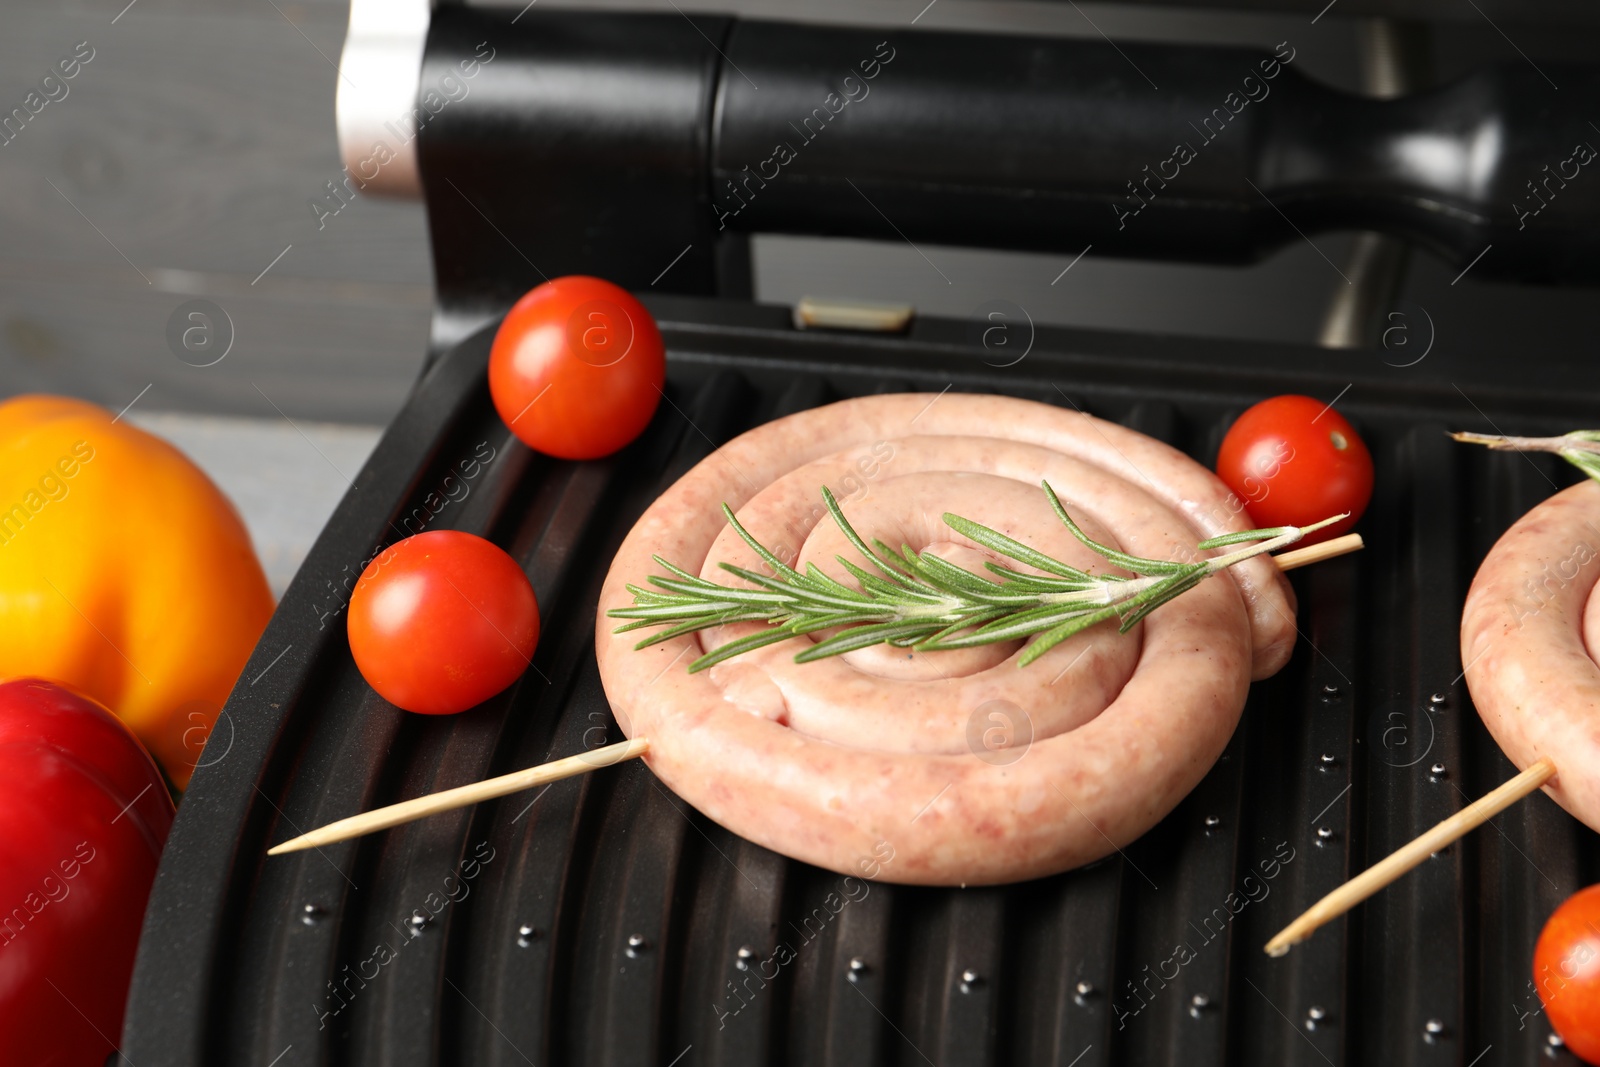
[124, 572]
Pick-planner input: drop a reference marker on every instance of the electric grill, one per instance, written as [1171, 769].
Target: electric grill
[604, 921]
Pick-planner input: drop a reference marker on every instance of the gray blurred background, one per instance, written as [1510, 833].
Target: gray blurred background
[184, 160]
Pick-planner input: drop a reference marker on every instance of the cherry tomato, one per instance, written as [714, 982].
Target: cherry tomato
[442, 621]
[577, 367]
[1566, 972]
[1293, 461]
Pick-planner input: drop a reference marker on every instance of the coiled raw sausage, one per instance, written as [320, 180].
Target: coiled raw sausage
[825, 761]
[1530, 630]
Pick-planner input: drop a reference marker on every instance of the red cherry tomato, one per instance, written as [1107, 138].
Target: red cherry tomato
[442, 621]
[1566, 972]
[83, 816]
[577, 368]
[1293, 461]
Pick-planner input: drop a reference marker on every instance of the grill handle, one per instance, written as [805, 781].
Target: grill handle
[645, 147]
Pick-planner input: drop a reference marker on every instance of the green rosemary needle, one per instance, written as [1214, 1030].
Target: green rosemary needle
[920, 601]
[1581, 448]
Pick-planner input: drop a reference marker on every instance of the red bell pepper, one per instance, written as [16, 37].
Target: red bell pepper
[83, 816]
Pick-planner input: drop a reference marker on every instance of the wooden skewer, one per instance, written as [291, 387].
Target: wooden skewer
[408, 810]
[1337, 546]
[1408, 856]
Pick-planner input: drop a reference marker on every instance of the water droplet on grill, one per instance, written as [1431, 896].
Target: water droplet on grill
[637, 945]
[312, 914]
[970, 980]
[1329, 761]
[1212, 822]
[1198, 1004]
[1325, 835]
[1083, 992]
[527, 935]
[1330, 690]
[858, 968]
[1316, 1015]
[1433, 1031]
[1437, 698]
[745, 955]
[1437, 772]
[420, 921]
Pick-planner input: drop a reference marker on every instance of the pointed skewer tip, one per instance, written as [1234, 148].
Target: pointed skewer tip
[462, 796]
[1409, 855]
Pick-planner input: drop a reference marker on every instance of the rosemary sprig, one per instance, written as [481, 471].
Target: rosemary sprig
[1581, 448]
[920, 601]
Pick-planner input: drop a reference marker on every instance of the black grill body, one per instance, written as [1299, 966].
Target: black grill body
[602, 920]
